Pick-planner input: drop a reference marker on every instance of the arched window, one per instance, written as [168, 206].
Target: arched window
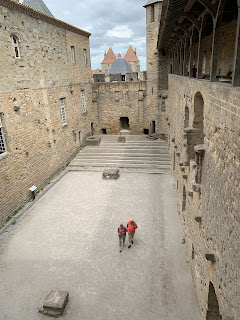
[15, 43]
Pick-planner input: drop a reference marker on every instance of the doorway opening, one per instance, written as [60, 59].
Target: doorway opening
[153, 127]
[92, 129]
[213, 307]
[124, 123]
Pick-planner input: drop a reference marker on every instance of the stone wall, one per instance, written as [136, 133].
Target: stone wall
[38, 144]
[157, 75]
[205, 151]
[114, 100]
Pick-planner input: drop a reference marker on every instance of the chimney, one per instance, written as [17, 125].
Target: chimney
[105, 53]
[135, 51]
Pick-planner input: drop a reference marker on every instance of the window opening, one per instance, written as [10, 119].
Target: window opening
[152, 13]
[15, 44]
[104, 131]
[145, 131]
[85, 56]
[186, 119]
[84, 106]
[2, 141]
[73, 59]
[124, 123]
[63, 110]
[184, 199]
[92, 128]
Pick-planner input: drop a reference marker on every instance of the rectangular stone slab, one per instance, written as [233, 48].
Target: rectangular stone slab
[111, 174]
[55, 303]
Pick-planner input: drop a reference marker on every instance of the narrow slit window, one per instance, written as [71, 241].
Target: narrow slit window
[73, 58]
[152, 13]
[16, 49]
[63, 112]
[85, 56]
[2, 140]
[84, 106]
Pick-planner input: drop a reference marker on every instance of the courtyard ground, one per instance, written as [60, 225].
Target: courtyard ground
[68, 241]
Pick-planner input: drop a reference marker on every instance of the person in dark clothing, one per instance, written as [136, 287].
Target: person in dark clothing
[122, 236]
[194, 71]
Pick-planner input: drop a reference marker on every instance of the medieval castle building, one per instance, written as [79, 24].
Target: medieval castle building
[49, 105]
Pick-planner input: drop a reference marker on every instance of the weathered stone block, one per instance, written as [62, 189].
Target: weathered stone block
[55, 303]
[121, 139]
[111, 174]
[190, 193]
[196, 187]
[93, 141]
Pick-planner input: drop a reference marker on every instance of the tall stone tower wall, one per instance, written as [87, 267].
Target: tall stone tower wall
[156, 69]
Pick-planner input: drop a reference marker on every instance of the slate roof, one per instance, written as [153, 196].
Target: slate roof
[151, 2]
[109, 57]
[120, 65]
[130, 55]
[38, 5]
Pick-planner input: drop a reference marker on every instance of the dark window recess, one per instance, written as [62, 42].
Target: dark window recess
[124, 123]
[104, 131]
[145, 131]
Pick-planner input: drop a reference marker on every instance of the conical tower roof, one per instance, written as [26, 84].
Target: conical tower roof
[109, 57]
[38, 5]
[119, 55]
[130, 56]
[120, 65]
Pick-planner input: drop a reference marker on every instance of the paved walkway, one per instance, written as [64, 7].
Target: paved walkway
[68, 241]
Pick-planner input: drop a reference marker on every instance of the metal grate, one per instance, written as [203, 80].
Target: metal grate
[63, 110]
[84, 106]
[2, 143]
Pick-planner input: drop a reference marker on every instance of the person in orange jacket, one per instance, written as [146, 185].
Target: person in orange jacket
[122, 236]
[131, 226]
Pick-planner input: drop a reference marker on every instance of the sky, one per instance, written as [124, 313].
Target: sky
[115, 24]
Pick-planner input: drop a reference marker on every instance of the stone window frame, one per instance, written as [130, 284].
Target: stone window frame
[3, 143]
[63, 110]
[16, 47]
[73, 55]
[83, 101]
[85, 56]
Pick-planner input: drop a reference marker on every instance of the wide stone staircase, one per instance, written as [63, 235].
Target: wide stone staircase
[137, 153]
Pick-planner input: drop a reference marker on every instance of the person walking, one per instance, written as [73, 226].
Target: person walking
[122, 236]
[131, 226]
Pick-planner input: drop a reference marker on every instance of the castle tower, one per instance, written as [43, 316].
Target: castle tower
[132, 59]
[156, 72]
[108, 60]
[38, 5]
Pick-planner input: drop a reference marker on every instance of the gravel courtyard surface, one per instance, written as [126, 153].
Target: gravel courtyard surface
[68, 241]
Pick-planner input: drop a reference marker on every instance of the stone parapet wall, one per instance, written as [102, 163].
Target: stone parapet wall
[38, 144]
[114, 100]
[207, 181]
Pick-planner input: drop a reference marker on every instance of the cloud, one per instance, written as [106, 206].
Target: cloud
[120, 32]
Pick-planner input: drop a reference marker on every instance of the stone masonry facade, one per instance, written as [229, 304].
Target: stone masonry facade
[39, 139]
[118, 99]
[207, 175]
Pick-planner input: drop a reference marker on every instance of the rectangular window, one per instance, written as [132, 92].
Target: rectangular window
[15, 44]
[63, 111]
[84, 106]
[152, 13]
[85, 56]
[2, 140]
[73, 59]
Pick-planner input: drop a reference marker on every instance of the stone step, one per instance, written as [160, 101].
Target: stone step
[125, 150]
[120, 160]
[150, 143]
[121, 156]
[120, 165]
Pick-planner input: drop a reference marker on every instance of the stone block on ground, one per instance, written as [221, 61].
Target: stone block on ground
[121, 139]
[55, 303]
[111, 174]
[93, 141]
